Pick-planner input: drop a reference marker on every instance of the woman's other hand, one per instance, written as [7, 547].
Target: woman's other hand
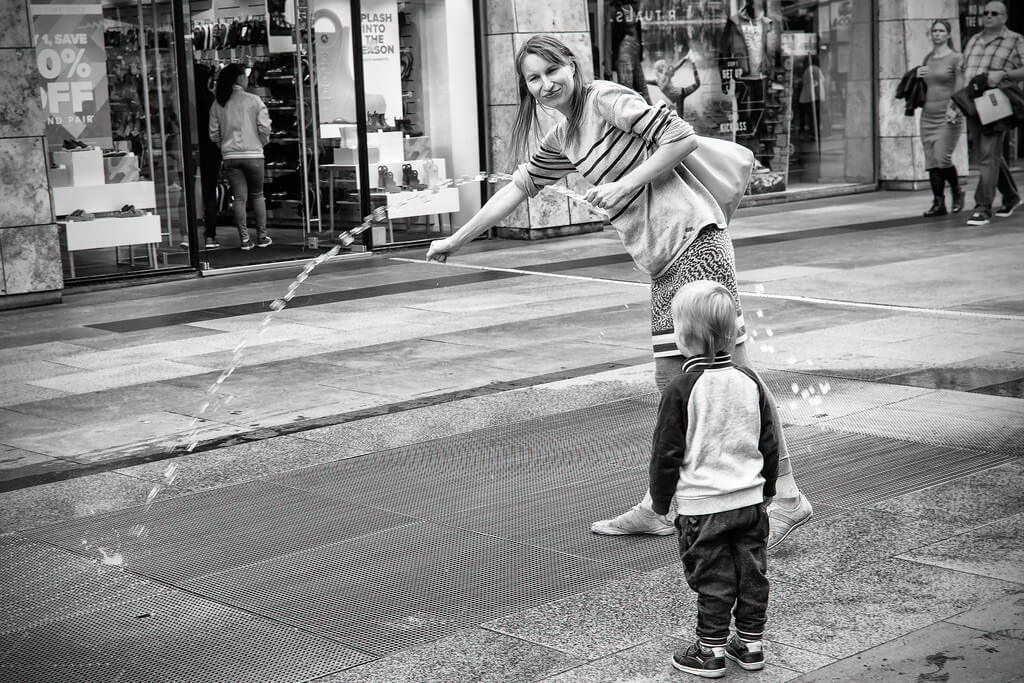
[609, 195]
[922, 71]
[440, 250]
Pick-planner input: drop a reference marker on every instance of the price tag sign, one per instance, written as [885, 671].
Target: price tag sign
[71, 59]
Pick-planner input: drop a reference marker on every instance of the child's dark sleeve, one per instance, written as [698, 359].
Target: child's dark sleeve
[768, 443]
[669, 448]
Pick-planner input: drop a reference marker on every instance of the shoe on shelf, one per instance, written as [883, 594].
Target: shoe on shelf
[938, 208]
[247, 245]
[979, 217]
[264, 241]
[1008, 207]
[700, 662]
[211, 243]
[958, 200]
[634, 521]
[783, 521]
[749, 655]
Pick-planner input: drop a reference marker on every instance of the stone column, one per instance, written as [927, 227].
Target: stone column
[30, 265]
[903, 42]
[509, 24]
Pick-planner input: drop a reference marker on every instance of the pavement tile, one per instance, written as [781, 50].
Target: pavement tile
[241, 463]
[839, 616]
[938, 652]
[61, 501]
[603, 621]
[850, 540]
[45, 351]
[119, 376]
[17, 459]
[468, 655]
[168, 333]
[651, 662]
[18, 392]
[972, 501]
[112, 404]
[993, 550]
[958, 378]
[29, 370]
[1012, 389]
[28, 339]
[1004, 617]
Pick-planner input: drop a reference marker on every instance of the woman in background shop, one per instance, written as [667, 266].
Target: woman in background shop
[240, 124]
[941, 123]
[673, 228]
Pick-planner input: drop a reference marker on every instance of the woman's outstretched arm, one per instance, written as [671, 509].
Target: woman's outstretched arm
[501, 204]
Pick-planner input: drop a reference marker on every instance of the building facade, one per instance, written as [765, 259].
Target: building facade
[109, 171]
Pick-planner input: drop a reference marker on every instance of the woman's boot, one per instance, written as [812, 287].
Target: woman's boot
[953, 179]
[938, 183]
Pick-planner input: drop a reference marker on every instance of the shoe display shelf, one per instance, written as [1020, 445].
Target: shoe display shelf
[108, 231]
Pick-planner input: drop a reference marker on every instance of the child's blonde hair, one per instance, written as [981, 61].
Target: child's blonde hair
[704, 317]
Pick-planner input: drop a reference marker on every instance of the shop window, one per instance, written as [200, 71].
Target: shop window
[779, 77]
[113, 134]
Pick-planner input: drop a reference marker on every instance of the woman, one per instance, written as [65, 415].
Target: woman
[240, 124]
[671, 227]
[941, 123]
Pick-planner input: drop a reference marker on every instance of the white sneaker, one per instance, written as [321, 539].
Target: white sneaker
[634, 521]
[782, 521]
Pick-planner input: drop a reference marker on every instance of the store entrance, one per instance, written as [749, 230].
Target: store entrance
[256, 153]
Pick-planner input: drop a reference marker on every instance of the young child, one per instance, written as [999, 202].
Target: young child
[715, 455]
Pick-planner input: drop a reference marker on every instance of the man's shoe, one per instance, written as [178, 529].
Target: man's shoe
[979, 218]
[264, 241]
[211, 243]
[782, 522]
[247, 245]
[1008, 207]
[696, 660]
[748, 655]
[634, 521]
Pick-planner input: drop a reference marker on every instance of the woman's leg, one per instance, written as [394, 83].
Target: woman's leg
[240, 191]
[254, 172]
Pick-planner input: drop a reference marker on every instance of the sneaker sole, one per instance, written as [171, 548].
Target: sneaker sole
[1006, 214]
[981, 222]
[613, 531]
[263, 246]
[703, 673]
[791, 529]
[748, 666]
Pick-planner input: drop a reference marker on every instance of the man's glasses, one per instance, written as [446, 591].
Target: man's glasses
[992, 14]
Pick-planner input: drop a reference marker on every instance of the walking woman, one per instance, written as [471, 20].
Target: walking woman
[668, 223]
[240, 124]
[941, 123]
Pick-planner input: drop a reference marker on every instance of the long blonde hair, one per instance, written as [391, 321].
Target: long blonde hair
[554, 51]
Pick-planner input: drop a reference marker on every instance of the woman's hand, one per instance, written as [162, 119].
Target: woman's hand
[922, 71]
[609, 195]
[440, 250]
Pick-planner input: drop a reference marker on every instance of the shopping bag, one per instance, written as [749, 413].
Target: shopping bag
[992, 106]
[723, 168]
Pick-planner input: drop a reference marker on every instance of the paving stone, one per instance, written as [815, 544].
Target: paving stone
[993, 550]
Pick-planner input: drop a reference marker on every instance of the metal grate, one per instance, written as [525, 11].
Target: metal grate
[394, 589]
[168, 637]
[407, 545]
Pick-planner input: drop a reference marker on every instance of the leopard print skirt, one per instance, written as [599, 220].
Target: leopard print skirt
[709, 257]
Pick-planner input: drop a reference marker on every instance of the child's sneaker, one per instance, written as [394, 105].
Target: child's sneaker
[700, 662]
[749, 655]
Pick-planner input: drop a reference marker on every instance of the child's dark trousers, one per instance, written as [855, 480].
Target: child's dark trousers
[725, 559]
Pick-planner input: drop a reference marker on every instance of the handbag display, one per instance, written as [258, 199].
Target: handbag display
[992, 106]
[723, 168]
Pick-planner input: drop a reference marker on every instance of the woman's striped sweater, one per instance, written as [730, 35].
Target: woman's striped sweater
[618, 131]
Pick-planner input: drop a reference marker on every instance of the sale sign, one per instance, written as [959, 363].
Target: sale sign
[71, 59]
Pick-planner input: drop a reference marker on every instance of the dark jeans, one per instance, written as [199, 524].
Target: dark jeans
[246, 178]
[725, 560]
[994, 173]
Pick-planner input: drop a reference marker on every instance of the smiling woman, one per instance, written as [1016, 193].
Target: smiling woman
[668, 222]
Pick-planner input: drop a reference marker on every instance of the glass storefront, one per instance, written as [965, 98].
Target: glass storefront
[134, 192]
[781, 77]
[113, 136]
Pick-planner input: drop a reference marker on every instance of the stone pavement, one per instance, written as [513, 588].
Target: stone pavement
[908, 331]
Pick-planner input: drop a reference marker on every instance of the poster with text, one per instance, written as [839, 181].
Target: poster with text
[382, 63]
[72, 61]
